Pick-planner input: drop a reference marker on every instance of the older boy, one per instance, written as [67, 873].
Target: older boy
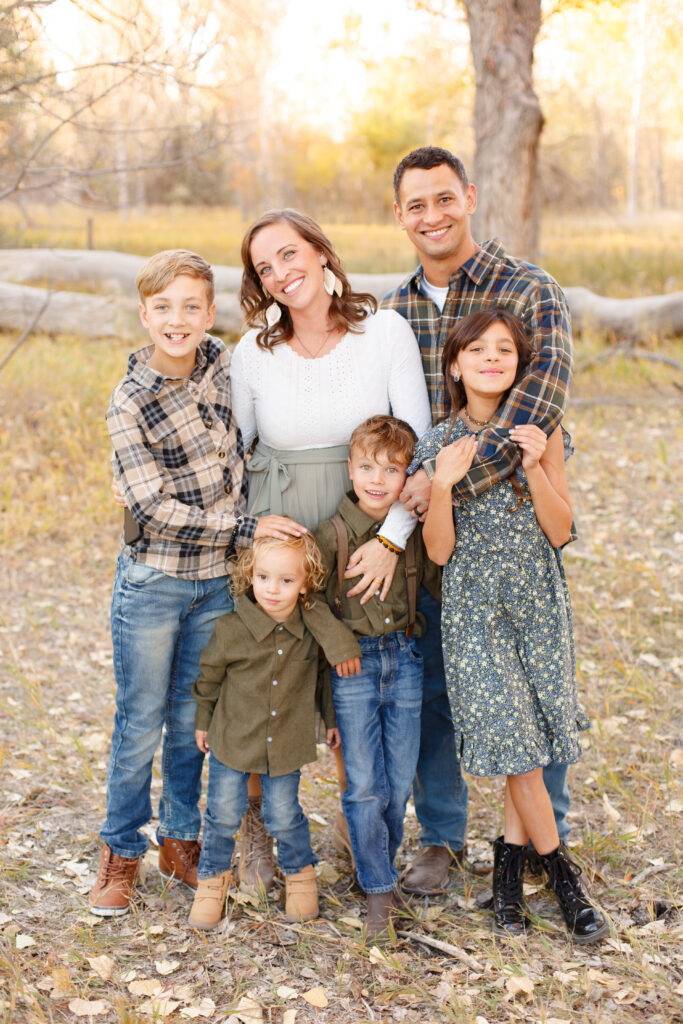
[378, 711]
[179, 461]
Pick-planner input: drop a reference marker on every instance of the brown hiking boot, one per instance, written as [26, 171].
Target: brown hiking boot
[378, 919]
[208, 908]
[257, 864]
[428, 874]
[111, 894]
[178, 860]
[301, 891]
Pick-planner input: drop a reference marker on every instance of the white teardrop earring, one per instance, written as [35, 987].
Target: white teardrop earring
[273, 314]
[456, 376]
[331, 282]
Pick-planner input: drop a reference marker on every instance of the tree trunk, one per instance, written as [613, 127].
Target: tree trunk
[507, 121]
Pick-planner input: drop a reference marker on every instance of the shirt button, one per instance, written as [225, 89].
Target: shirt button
[221, 455]
[270, 739]
[279, 651]
[274, 682]
[273, 713]
[387, 620]
[280, 628]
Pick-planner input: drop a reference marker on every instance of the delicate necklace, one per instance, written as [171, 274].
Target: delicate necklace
[314, 355]
[478, 423]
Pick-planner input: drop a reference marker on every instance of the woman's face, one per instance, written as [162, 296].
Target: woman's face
[289, 267]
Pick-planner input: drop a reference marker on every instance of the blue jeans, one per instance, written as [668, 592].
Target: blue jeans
[378, 716]
[160, 625]
[226, 802]
[439, 790]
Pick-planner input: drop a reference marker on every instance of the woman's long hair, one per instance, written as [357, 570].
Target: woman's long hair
[347, 310]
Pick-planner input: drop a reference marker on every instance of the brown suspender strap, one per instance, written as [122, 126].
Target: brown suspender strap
[342, 560]
[411, 584]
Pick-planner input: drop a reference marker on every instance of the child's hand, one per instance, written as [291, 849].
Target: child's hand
[333, 739]
[118, 494]
[533, 443]
[454, 461]
[351, 667]
[200, 740]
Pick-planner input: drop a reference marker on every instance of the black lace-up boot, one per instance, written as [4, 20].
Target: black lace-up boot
[509, 909]
[584, 919]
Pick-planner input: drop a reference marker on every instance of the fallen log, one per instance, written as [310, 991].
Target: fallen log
[114, 273]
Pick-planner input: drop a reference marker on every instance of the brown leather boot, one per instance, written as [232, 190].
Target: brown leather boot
[111, 894]
[301, 892]
[208, 908]
[178, 860]
[257, 863]
[428, 873]
[378, 918]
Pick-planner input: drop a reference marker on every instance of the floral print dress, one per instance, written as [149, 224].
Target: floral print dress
[507, 633]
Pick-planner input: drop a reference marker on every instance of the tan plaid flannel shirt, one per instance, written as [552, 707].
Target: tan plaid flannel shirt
[179, 460]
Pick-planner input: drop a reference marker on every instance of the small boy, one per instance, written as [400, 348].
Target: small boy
[262, 675]
[378, 711]
[179, 461]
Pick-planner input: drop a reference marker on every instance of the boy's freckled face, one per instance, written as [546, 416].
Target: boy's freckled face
[377, 481]
[278, 578]
[177, 319]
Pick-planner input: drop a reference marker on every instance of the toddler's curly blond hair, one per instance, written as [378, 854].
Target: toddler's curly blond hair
[314, 574]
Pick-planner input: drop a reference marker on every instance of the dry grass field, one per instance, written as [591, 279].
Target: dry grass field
[59, 538]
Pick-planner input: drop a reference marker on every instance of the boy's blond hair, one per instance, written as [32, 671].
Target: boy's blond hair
[159, 270]
[314, 574]
[393, 437]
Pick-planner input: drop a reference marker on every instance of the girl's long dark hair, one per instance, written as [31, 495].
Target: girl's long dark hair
[347, 311]
[469, 329]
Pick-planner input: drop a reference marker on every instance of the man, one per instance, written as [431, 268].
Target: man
[434, 202]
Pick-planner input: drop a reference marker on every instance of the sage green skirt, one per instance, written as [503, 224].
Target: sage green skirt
[305, 485]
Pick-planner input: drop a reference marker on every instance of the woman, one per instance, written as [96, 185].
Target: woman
[318, 360]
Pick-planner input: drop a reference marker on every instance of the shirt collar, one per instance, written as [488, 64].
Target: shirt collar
[261, 625]
[476, 267]
[154, 381]
[360, 522]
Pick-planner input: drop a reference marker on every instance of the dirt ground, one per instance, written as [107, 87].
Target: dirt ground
[58, 963]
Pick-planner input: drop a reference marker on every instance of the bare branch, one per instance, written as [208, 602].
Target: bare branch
[27, 331]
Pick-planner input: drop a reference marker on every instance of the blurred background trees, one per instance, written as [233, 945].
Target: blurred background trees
[143, 103]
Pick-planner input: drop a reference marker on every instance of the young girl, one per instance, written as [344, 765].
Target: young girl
[507, 630]
[262, 673]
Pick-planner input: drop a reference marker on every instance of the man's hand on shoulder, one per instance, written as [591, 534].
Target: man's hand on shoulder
[416, 493]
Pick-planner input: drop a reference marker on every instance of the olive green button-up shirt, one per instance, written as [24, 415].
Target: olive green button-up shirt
[375, 618]
[260, 681]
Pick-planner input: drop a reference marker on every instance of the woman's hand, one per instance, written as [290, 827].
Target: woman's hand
[350, 667]
[200, 740]
[281, 527]
[454, 461]
[376, 565]
[533, 443]
[118, 494]
[333, 739]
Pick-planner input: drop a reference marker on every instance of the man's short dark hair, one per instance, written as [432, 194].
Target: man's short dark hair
[425, 158]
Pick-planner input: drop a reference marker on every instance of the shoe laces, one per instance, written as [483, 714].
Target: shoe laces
[565, 877]
[259, 843]
[115, 868]
[510, 885]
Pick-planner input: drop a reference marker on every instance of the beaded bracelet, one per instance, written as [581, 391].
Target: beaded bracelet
[387, 544]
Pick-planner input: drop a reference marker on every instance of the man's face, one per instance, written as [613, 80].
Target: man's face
[434, 210]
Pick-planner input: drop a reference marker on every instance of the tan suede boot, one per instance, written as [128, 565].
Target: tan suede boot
[209, 902]
[302, 895]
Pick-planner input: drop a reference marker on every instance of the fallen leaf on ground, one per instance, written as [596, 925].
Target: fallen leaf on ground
[376, 956]
[519, 985]
[248, 1010]
[89, 1007]
[24, 941]
[351, 922]
[611, 812]
[327, 874]
[316, 997]
[444, 992]
[159, 1007]
[167, 966]
[102, 966]
[205, 1008]
[145, 987]
[285, 992]
[62, 980]
[288, 1017]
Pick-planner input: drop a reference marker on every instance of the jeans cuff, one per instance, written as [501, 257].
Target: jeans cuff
[185, 836]
[295, 871]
